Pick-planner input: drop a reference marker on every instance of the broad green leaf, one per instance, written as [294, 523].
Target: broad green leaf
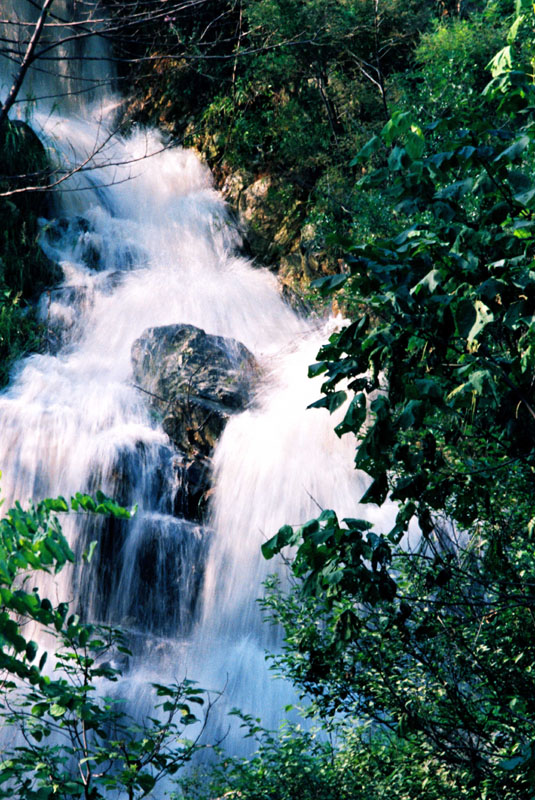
[430, 282]
[317, 369]
[377, 492]
[515, 27]
[465, 317]
[329, 284]
[414, 145]
[456, 190]
[332, 401]
[371, 146]
[399, 123]
[515, 150]
[501, 62]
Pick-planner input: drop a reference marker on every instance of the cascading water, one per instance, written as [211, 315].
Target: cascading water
[147, 242]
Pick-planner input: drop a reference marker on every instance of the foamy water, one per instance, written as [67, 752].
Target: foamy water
[146, 242]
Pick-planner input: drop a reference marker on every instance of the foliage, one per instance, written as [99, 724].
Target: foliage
[451, 62]
[355, 762]
[69, 738]
[25, 269]
[289, 90]
[285, 89]
[429, 633]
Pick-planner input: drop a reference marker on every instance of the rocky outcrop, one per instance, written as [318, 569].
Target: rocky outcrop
[270, 225]
[194, 382]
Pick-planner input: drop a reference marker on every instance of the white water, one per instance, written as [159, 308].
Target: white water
[165, 252]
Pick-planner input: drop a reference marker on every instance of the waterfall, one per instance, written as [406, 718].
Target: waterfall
[146, 242]
[74, 73]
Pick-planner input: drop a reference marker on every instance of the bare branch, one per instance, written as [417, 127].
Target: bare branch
[87, 166]
[29, 56]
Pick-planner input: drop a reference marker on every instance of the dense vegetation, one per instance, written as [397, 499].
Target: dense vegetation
[415, 646]
[286, 93]
[62, 738]
[425, 640]
[400, 170]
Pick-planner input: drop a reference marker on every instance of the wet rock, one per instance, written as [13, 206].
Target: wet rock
[194, 381]
[157, 587]
[62, 228]
[193, 475]
[269, 222]
[153, 562]
[88, 247]
[90, 250]
[233, 186]
[77, 234]
[60, 311]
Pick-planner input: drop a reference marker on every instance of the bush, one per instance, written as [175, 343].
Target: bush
[69, 739]
[428, 634]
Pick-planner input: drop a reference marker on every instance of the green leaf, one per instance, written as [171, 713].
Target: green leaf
[332, 401]
[57, 711]
[515, 27]
[329, 284]
[456, 190]
[429, 282]
[512, 763]
[354, 417]
[465, 317]
[399, 123]
[501, 62]
[31, 650]
[285, 536]
[428, 388]
[56, 504]
[317, 369]
[145, 781]
[525, 198]
[413, 414]
[358, 524]
[377, 492]
[415, 145]
[397, 160]
[371, 146]
[515, 150]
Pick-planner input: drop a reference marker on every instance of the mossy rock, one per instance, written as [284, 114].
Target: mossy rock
[21, 154]
[25, 271]
[24, 268]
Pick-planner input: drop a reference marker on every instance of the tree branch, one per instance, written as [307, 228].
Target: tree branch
[29, 56]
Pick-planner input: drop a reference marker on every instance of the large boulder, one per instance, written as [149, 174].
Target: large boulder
[194, 381]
